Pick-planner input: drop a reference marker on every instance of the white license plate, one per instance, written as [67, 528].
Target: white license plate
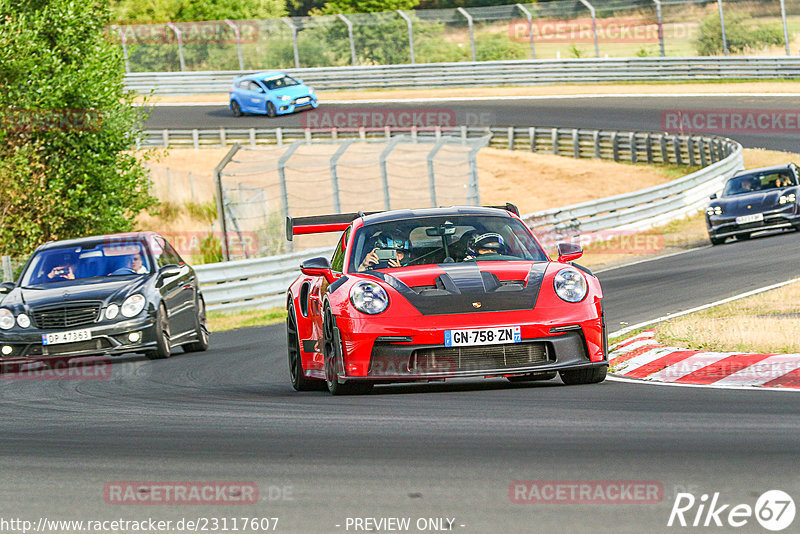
[744, 219]
[482, 336]
[66, 337]
[302, 100]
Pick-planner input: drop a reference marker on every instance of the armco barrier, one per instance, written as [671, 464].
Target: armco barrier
[262, 282]
[486, 73]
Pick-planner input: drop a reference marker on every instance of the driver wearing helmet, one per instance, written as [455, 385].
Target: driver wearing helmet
[484, 246]
[394, 241]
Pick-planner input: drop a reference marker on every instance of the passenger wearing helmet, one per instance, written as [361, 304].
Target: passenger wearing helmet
[485, 246]
[388, 250]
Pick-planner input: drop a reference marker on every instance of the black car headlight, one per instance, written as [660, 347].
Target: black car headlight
[6, 319]
[369, 298]
[23, 320]
[714, 210]
[570, 285]
[112, 311]
[133, 305]
[788, 199]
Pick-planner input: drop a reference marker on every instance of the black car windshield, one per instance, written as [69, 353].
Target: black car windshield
[278, 83]
[443, 239]
[86, 261]
[749, 183]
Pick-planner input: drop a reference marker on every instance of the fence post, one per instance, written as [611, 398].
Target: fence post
[410, 34]
[532, 134]
[8, 271]
[576, 144]
[180, 44]
[226, 253]
[350, 34]
[195, 139]
[664, 152]
[292, 27]
[594, 26]
[124, 41]
[614, 146]
[473, 188]
[530, 27]
[722, 26]
[431, 176]
[337, 204]
[387, 200]
[596, 138]
[554, 139]
[238, 42]
[632, 147]
[785, 28]
[660, 26]
[471, 32]
[511, 138]
[282, 161]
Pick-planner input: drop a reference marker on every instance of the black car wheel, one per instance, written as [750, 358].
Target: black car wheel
[299, 380]
[271, 111]
[743, 237]
[532, 377]
[236, 109]
[717, 240]
[593, 375]
[162, 336]
[200, 330]
[332, 350]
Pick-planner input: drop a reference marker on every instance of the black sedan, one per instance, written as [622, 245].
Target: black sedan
[755, 200]
[103, 295]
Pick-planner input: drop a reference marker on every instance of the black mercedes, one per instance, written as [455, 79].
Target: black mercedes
[755, 200]
[103, 295]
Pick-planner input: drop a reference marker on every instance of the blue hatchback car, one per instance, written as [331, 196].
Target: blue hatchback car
[271, 93]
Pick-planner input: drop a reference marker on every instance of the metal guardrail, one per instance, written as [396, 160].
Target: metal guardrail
[259, 283]
[473, 74]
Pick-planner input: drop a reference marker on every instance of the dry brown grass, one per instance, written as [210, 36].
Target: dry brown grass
[762, 323]
[539, 90]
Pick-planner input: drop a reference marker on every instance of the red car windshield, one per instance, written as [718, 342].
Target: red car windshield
[443, 239]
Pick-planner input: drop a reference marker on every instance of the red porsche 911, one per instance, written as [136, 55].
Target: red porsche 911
[440, 293]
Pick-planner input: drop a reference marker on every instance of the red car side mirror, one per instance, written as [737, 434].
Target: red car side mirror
[318, 267]
[569, 252]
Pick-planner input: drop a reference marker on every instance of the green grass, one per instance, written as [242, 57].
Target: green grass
[218, 322]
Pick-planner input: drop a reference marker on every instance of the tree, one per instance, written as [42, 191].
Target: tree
[66, 169]
[131, 11]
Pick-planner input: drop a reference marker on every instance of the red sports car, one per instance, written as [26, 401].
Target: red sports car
[432, 294]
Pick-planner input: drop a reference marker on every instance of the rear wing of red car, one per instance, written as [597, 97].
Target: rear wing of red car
[318, 224]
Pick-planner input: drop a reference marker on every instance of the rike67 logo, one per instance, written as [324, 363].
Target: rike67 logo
[774, 510]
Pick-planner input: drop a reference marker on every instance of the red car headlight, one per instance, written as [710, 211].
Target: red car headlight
[369, 298]
[570, 285]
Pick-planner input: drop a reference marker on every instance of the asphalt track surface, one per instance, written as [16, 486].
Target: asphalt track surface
[448, 450]
[641, 113]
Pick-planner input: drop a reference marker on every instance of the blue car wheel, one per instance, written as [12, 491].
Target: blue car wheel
[236, 109]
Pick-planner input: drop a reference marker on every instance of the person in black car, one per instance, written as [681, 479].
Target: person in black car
[66, 271]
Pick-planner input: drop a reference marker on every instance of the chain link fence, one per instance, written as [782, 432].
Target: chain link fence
[546, 30]
[260, 187]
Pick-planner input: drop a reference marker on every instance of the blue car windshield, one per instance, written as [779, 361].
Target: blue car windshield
[86, 261]
[279, 83]
[749, 183]
[443, 239]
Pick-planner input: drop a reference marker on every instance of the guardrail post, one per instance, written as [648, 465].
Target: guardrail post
[632, 147]
[576, 144]
[387, 200]
[292, 27]
[594, 26]
[554, 139]
[530, 27]
[785, 28]
[648, 147]
[660, 26]
[722, 26]
[195, 139]
[252, 137]
[511, 138]
[676, 145]
[238, 42]
[410, 34]
[350, 35]
[614, 146]
[690, 150]
[221, 199]
[8, 271]
[124, 42]
[222, 137]
[596, 139]
[337, 204]
[471, 32]
[165, 138]
[431, 175]
[664, 152]
[702, 146]
[180, 44]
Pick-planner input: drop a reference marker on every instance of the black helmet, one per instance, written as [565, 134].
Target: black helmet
[394, 239]
[491, 241]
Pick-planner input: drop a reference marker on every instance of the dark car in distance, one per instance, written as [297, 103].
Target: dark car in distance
[103, 295]
[754, 200]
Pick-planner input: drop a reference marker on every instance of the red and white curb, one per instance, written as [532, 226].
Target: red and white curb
[642, 357]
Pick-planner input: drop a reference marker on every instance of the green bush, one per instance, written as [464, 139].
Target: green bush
[202, 211]
[499, 47]
[739, 34]
[210, 250]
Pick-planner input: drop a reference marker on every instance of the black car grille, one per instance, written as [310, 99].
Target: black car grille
[488, 357]
[98, 344]
[66, 316]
